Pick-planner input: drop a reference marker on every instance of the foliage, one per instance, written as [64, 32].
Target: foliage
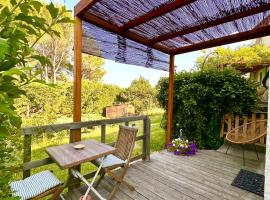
[20, 30]
[141, 94]
[96, 96]
[202, 98]
[45, 104]
[92, 67]
[247, 56]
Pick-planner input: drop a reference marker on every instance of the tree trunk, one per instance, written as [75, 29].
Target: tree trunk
[28, 111]
[46, 76]
[53, 75]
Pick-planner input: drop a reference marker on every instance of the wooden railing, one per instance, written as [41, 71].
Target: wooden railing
[30, 131]
[231, 121]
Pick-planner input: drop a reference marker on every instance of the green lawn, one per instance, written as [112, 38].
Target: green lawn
[45, 140]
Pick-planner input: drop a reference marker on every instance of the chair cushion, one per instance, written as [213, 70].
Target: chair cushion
[34, 185]
[110, 161]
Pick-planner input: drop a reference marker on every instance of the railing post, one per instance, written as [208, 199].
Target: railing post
[27, 154]
[73, 138]
[103, 133]
[146, 140]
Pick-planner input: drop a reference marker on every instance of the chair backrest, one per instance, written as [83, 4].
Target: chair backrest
[125, 142]
[248, 133]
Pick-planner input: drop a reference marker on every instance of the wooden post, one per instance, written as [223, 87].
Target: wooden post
[27, 154]
[267, 156]
[103, 133]
[170, 100]
[146, 140]
[76, 134]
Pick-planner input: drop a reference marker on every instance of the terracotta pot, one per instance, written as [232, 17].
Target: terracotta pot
[87, 198]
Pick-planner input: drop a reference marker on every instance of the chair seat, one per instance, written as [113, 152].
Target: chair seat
[34, 185]
[110, 161]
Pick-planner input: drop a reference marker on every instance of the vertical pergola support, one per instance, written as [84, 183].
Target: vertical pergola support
[170, 100]
[77, 94]
[267, 156]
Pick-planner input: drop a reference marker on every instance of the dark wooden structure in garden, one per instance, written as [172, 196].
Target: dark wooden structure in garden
[150, 33]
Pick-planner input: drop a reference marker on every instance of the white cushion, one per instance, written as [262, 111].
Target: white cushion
[110, 161]
[34, 185]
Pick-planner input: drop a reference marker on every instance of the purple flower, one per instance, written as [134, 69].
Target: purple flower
[176, 152]
[170, 144]
[193, 147]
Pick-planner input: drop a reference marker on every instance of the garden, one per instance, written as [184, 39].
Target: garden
[35, 89]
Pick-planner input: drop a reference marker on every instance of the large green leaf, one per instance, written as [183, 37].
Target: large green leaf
[52, 10]
[4, 48]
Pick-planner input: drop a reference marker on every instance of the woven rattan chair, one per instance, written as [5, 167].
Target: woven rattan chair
[248, 133]
[120, 159]
[36, 186]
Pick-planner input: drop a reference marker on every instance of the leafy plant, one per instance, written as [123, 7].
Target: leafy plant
[241, 58]
[20, 30]
[141, 94]
[202, 98]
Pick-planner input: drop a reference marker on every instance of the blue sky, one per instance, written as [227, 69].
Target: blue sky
[122, 74]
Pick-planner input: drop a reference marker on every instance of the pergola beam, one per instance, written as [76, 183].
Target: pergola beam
[255, 33]
[113, 28]
[216, 22]
[83, 6]
[162, 10]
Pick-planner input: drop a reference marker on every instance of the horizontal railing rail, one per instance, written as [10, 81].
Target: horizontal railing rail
[31, 131]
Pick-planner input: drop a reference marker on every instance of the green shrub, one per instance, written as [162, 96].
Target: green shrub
[200, 100]
[140, 94]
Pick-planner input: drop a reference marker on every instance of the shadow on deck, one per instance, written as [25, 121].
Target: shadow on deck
[208, 175]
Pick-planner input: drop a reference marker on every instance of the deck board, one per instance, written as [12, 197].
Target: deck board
[208, 175]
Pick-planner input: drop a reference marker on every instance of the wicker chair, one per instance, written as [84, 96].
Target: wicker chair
[248, 133]
[120, 159]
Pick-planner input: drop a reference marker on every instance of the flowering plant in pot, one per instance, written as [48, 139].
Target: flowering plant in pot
[180, 146]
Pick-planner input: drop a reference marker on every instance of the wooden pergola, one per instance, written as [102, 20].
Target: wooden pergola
[254, 15]
[170, 27]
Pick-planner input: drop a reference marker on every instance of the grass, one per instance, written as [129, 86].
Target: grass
[39, 144]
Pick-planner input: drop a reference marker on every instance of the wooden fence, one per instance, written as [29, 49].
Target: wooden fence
[231, 121]
[29, 132]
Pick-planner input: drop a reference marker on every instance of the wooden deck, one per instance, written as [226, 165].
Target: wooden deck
[208, 175]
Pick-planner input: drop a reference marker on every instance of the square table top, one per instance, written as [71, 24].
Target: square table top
[66, 156]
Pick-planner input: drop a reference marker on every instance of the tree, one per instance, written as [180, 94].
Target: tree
[57, 48]
[92, 67]
[140, 93]
[242, 57]
[20, 30]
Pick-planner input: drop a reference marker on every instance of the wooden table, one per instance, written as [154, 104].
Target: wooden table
[66, 156]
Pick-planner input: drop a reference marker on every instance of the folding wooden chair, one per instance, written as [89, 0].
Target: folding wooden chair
[36, 186]
[121, 158]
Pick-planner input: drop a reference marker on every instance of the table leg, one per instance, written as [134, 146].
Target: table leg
[77, 174]
[60, 190]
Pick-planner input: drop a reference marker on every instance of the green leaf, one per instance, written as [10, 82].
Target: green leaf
[65, 20]
[12, 71]
[42, 59]
[37, 5]
[4, 48]
[52, 10]
[13, 2]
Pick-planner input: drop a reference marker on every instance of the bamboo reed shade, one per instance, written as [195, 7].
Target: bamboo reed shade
[163, 27]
